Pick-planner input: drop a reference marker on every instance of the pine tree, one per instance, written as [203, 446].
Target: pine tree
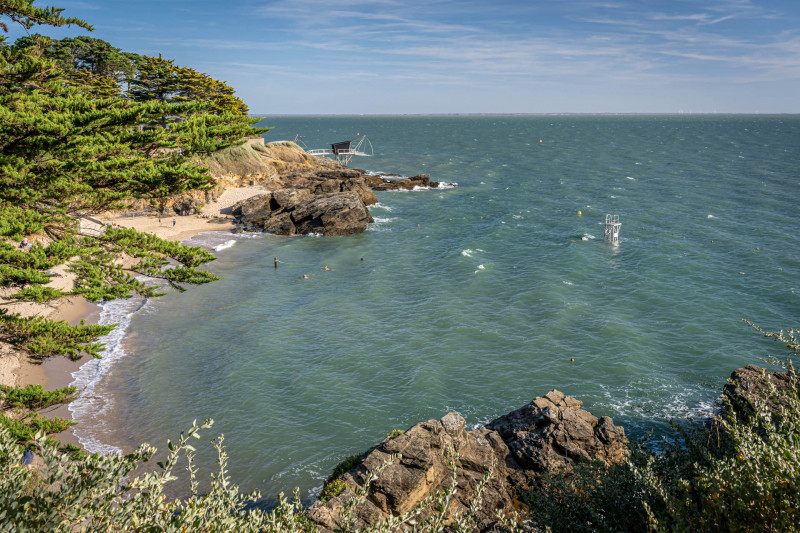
[69, 145]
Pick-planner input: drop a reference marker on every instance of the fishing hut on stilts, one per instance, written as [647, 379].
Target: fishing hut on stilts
[342, 152]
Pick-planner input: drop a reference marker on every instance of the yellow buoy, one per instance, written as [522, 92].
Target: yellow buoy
[757, 249]
[481, 218]
[572, 360]
[579, 213]
[540, 140]
[417, 225]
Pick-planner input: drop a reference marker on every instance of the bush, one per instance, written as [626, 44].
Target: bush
[332, 489]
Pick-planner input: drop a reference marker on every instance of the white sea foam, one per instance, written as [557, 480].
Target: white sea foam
[467, 252]
[224, 245]
[444, 185]
[630, 178]
[218, 240]
[710, 216]
[383, 220]
[90, 405]
[381, 206]
[565, 282]
[589, 236]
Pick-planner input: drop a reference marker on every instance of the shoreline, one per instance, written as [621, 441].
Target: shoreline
[55, 372]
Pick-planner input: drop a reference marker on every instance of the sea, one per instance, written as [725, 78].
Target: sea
[475, 296]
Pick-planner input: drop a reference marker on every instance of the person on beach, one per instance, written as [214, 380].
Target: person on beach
[173, 222]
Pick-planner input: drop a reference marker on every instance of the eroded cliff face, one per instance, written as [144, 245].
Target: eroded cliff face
[547, 435]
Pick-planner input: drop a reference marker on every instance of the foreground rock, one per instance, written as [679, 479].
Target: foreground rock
[549, 434]
[751, 385]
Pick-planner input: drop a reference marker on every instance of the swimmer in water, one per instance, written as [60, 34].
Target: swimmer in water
[326, 267]
[304, 276]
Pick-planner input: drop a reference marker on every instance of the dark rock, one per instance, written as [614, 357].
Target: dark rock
[752, 385]
[185, 207]
[379, 183]
[331, 215]
[251, 205]
[281, 224]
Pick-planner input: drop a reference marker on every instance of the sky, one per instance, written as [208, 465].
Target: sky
[484, 56]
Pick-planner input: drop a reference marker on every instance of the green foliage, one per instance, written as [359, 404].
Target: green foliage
[17, 222]
[70, 143]
[45, 338]
[25, 429]
[35, 396]
[332, 489]
[395, 433]
[38, 294]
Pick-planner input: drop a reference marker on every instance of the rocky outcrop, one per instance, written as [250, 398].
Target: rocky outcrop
[380, 183]
[752, 385]
[299, 211]
[330, 181]
[549, 434]
[185, 206]
[553, 431]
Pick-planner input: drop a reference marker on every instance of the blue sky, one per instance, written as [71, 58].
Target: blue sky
[486, 56]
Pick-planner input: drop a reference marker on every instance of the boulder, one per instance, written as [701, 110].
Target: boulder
[332, 214]
[185, 207]
[251, 205]
[552, 432]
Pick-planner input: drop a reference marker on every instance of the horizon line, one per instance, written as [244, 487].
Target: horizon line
[646, 113]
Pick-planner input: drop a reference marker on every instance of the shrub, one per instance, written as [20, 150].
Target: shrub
[332, 489]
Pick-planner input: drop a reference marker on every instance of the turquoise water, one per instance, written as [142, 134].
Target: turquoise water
[474, 298]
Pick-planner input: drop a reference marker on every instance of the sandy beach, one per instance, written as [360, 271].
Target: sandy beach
[15, 366]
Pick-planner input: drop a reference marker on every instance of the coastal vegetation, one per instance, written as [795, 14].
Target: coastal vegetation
[87, 128]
